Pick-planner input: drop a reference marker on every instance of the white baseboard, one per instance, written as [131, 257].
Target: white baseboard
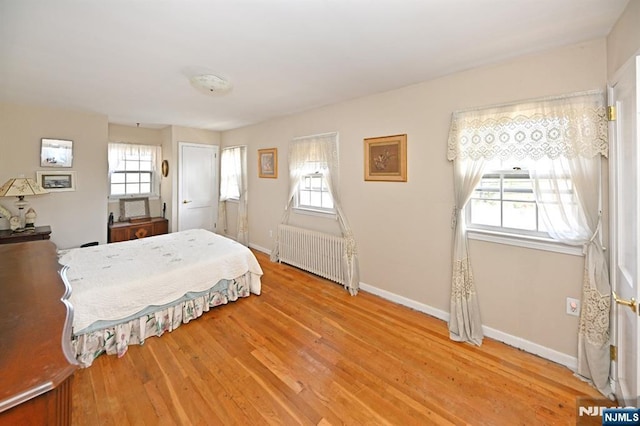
[259, 248]
[515, 341]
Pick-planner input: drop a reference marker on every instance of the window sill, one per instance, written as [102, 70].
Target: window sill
[318, 213]
[526, 242]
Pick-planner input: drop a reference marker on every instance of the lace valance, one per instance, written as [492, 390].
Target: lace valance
[569, 126]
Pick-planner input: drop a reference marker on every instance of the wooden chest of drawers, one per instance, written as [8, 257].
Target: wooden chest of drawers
[124, 231]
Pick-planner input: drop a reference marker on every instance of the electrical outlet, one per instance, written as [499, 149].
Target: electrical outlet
[573, 306]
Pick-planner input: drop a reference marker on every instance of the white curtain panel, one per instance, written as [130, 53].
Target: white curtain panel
[240, 160]
[562, 139]
[319, 153]
[464, 324]
[233, 184]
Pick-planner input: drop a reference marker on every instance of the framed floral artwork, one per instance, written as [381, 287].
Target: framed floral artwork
[268, 163]
[385, 158]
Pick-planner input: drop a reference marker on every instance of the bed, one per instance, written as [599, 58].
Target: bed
[124, 292]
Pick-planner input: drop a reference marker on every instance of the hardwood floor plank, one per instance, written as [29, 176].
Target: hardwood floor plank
[306, 352]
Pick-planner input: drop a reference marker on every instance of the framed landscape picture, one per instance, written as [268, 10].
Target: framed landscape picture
[268, 163]
[385, 158]
[57, 181]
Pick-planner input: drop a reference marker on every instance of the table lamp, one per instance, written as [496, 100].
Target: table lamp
[21, 187]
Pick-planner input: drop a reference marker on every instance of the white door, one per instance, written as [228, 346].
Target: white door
[625, 228]
[197, 186]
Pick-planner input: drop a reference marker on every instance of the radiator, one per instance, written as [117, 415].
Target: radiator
[315, 252]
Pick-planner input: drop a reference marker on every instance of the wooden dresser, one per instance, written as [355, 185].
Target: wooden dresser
[124, 231]
[38, 233]
[36, 359]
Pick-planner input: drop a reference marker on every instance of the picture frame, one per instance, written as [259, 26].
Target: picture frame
[134, 208]
[385, 158]
[57, 181]
[56, 153]
[268, 163]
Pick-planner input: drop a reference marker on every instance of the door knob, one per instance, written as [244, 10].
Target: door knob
[633, 304]
[186, 202]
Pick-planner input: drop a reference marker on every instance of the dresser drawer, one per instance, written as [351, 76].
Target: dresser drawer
[124, 231]
[140, 231]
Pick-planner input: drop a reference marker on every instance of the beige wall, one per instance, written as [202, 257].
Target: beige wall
[403, 229]
[75, 217]
[624, 39]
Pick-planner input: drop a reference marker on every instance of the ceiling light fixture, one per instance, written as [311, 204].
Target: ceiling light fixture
[211, 84]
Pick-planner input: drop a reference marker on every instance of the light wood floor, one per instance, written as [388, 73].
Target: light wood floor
[305, 352]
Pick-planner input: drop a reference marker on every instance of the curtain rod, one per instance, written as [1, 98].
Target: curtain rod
[315, 136]
[547, 98]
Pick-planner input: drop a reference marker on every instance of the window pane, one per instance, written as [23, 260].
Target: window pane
[305, 198]
[117, 178]
[519, 215]
[315, 199]
[133, 177]
[306, 182]
[518, 189]
[131, 165]
[327, 201]
[145, 165]
[133, 188]
[145, 188]
[117, 189]
[489, 188]
[145, 177]
[485, 212]
[316, 182]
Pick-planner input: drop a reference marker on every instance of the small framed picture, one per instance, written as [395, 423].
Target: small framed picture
[56, 181]
[268, 163]
[56, 153]
[134, 208]
[385, 158]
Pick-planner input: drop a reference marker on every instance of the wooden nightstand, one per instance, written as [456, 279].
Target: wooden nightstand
[7, 236]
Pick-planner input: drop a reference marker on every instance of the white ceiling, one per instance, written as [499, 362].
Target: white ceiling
[130, 59]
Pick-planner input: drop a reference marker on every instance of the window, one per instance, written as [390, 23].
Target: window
[132, 170]
[505, 200]
[312, 193]
[230, 172]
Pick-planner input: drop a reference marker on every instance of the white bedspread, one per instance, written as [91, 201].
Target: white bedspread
[114, 281]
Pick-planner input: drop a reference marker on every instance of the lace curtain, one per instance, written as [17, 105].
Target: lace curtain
[233, 184]
[561, 140]
[118, 153]
[319, 153]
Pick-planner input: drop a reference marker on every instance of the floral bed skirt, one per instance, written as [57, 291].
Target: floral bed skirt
[114, 339]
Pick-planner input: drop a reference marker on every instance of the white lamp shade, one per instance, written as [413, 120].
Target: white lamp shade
[16, 187]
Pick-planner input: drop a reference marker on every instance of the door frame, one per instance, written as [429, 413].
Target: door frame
[613, 225]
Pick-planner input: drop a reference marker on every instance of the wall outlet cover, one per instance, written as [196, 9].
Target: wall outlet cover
[573, 306]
